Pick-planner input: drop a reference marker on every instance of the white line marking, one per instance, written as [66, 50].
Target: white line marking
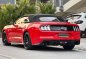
[8, 57]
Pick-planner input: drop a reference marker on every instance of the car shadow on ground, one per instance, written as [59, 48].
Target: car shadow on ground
[41, 48]
[52, 49]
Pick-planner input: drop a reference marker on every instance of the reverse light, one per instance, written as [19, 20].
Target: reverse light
[47, 27]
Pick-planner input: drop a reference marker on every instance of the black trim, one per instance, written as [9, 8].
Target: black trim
[58, 42]
[35, 17]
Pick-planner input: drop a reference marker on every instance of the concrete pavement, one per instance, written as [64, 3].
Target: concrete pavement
[18, 52]
[82, 45]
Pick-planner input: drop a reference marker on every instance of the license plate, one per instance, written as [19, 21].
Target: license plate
[63, 35]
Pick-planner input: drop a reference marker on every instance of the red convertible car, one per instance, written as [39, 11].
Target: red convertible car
[42, 30]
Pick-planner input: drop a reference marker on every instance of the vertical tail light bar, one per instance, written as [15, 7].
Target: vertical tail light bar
[76, 28]
[47, 27]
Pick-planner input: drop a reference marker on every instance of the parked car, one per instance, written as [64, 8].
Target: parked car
[42, 30]
[80, 19]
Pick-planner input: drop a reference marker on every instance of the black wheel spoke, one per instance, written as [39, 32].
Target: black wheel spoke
[27, 42]
[4, 40]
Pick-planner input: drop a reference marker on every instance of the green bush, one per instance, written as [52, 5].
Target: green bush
[46, 8]
[5, 14]
[9, 12]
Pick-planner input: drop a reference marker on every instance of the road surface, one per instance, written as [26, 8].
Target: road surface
[18, 52]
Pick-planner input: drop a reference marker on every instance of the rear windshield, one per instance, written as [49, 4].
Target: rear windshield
[47, 19]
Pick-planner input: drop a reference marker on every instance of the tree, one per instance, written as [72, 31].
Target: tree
[46, 8]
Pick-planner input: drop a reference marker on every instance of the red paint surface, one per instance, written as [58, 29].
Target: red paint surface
[15, 33]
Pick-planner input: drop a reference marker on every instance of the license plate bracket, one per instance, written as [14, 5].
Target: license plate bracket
[63, 35]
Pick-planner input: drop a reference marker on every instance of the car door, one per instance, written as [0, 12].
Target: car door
[9, 32]
[12, 32]
[19, 26]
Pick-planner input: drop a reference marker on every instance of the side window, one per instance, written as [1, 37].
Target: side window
[22, 20]
[18, 21]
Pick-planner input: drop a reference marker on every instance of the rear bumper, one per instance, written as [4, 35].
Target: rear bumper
[61, 42]
[49, 36]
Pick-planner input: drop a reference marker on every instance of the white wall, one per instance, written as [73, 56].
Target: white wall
[72, 5]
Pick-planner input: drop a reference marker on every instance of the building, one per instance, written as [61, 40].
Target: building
[7, 1]
[73, 6]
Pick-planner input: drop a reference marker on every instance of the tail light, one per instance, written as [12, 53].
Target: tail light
[47, 27]
[76, 28]
[59, 28]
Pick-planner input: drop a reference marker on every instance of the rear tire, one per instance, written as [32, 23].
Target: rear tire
[27, 41]
[4, 39]
[68, 47]
[83, 34]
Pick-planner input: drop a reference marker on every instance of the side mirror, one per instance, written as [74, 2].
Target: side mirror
[79, 22]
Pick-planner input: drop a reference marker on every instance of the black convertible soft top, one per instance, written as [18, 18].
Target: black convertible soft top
[35, 17]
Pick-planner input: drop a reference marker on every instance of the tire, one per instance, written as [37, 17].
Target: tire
[83, 34]
[27, 42]
[4, 39]
[68, 47]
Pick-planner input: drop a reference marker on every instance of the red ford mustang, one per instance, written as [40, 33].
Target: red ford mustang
[42, 30]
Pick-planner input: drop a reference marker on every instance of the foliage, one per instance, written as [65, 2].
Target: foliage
[9, 12]
[46, 8]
